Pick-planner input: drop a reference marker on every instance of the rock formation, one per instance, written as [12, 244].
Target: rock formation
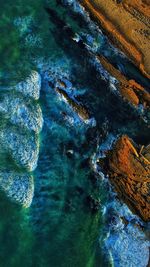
[127, 24]
[62, 89]
[128, 167]
[129, 89]
[78, 108]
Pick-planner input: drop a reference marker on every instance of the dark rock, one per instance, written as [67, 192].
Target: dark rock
[93, 204]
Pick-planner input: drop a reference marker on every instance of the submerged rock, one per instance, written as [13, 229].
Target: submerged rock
[92, 203]
[128, 168]
[19, 187]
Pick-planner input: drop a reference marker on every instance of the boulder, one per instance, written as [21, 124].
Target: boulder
[128, 167]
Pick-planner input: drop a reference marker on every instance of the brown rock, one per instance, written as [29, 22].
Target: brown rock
[61, 84]
[78, 108]
[129, 171]
[132, 91]
[127, 24]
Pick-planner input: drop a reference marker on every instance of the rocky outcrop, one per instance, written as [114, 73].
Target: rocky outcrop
[65, 90]
[78, 108]
[129, 89]
[21, 123]
[127, 24]
[128, 167]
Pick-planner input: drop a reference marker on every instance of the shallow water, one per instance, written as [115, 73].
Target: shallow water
[61, 228]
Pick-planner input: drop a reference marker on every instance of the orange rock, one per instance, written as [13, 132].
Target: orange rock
[129, 95]
[129, 172]
[127, 24]
[61, 83]
[136, 85]
[129, 89]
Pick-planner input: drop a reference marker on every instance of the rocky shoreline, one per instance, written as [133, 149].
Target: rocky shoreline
[126, 26]
[130, 90]
[135, 94]
[128, 167]
[93, 176]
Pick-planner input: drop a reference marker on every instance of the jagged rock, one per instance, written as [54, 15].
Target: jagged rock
[18, 112]
[125, 24]
[31, 86]
[78, 108]
[146, 152]
[19, 187]
[130, 90]
[129, 171]
[23, 148]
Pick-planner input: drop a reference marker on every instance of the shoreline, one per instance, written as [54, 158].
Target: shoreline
[122, 28]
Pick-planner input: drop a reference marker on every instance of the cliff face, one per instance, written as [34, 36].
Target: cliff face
[127, 24]
[129, 171]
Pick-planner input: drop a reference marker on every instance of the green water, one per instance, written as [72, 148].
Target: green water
[60, 228]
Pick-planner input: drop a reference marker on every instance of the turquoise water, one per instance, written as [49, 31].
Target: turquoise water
[63, 227]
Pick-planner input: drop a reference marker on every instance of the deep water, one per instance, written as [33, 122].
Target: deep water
[64, 227]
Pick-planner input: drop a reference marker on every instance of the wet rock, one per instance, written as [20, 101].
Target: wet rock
[145, 151]
[124, 220]
[92, 203]
[129, 172]
[78, 108]
[130, 90]
[70, 153]
[62, 84]
[19, 187]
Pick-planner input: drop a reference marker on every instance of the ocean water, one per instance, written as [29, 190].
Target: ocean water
[69, 221]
